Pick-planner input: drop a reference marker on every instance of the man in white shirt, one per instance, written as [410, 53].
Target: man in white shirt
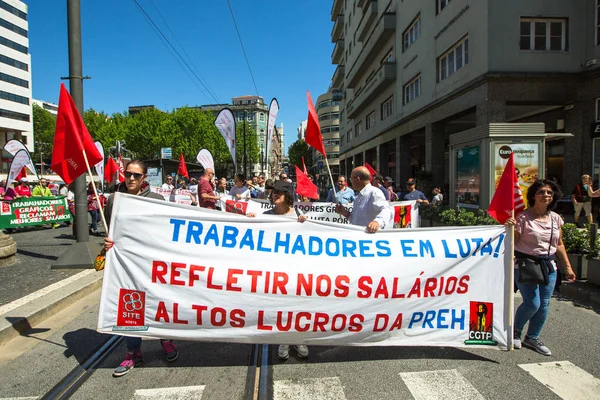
[193, 188]
[240, 191]
[168, 184]
[370, 208]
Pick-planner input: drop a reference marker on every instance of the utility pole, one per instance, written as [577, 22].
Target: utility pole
[41, 164]
[245, 153]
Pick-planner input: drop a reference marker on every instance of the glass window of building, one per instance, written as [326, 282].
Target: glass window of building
[412, 33]
[370, 120]
[387, 107]
[412, 89]
[544, 34]
[453, 59]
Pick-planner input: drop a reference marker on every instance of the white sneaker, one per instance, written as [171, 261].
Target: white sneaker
[283, 352]
[302, 350]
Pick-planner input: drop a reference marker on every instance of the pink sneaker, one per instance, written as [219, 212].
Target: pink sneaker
[169, 349]
[131, 360]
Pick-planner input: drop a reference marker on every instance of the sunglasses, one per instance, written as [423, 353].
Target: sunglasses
[543, 192]
[136, 175]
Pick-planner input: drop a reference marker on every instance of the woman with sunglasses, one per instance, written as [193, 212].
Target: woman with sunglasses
[538, 236]
[135, 184]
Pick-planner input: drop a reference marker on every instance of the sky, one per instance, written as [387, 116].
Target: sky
[288, 44]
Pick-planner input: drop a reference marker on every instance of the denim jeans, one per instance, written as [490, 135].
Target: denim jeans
[94, 214]
[133, 343]
[534, 308]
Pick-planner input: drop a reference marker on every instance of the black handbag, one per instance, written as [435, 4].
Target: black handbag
[532, 270]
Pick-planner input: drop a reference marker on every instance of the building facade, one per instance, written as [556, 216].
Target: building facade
[50, 107]
[413, 73]
[302, 129]
[328, 112]
[16, 119]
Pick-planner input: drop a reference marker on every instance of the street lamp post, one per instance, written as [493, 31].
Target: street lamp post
[245, 153]
[262, 163]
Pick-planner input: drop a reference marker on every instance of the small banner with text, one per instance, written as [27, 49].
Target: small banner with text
[34, 211]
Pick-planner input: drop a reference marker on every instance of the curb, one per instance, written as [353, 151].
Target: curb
[582, 292]
[22, 318]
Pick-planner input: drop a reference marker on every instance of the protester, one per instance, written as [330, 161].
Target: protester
[370, 209]
[282, 198]
[136, 185]
[412, 193]
[250, 185]
[22, 189]
[181, 184]
[582, 200]
[41, 190]
[11, 193]
[538, 236]
[260, 186]
[64, 190]
[193, 188]
[344, 194]
[378, 183]
[268, 189]
[239, 191]
[168, 185]
[221, 193]
[388, 182]
[93, 209]
[2, 188]
[438, 197]
[206, 194]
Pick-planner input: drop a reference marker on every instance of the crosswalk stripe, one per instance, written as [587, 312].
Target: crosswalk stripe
[565, 379]
[329, 388]
[170, 393]
[20, 398]
[441, 384]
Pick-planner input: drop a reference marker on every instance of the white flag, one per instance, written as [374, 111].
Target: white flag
[206, 159]
[225, 123]
[100, 166]
[13, 146]
[273, 111]
[18, 162]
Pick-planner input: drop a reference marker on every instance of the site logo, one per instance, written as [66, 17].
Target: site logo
[402, 217]
[505, 152]
[6, 210]
[132, 307]
[236, 207]
[481, 323]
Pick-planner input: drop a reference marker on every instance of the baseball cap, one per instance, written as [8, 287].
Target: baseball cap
[23, 180]
[388, 179]
[411, 181]
[283, 186]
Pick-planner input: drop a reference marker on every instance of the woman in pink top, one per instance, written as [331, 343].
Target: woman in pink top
[538, 235]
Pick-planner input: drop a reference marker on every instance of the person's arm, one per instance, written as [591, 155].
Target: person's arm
[329, 196]
[591, 193]
[36, 192]
[385, 214]
[423, 199]
[564, 259]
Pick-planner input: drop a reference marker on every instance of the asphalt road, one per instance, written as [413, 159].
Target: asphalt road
[31, 365]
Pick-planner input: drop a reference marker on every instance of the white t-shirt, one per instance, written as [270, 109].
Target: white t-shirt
[242, 191]
[167, 186]
[194, 191]
[437, 199]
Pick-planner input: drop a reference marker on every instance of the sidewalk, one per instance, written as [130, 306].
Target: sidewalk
[582, 292]
[29, 290]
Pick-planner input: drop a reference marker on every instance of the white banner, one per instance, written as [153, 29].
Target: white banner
[179, 196]
[273, 111]
[13, 146]
[100, 166]
[211, 276]
[19, 161]
[225, 123]
[206, 159]
[406, 213]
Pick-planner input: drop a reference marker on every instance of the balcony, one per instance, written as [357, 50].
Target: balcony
[385, 28]
[385, 75]
[338, 28]
[338, 52]
[336, 8]
[366, 23]
[338, 77]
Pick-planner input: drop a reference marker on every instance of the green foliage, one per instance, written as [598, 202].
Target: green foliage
[453, 217]
[44, 125]
[297, 150]
[577, 240]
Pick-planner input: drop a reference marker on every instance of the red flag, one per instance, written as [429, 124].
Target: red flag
[182, 169]
[313, 136]
[110, 170]
[22, 174]
[371, 170]
[121, 170]
[508, 195]
[304, 186]
[304, 166]
[71, 138]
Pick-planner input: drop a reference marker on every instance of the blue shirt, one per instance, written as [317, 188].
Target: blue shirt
[414, 195]
[345, 196]
[385, 192]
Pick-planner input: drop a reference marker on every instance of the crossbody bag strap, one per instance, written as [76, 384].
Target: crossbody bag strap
[551, 233]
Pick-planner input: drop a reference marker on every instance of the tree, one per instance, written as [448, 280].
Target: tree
[44, 125]
[252, 149]
[297, 150]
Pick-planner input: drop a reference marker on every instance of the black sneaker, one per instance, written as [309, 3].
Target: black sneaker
[131, 360]
[537, 345]
[169, 350]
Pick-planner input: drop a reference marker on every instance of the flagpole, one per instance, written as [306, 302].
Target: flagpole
[331, 178]
[511, 280]
[87, 164]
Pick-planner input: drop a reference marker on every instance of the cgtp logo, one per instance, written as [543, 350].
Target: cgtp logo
[6, 209]
[481, 323]
[236, 207]
[132, 307]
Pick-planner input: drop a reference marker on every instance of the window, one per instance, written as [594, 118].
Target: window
[597, 22]
[13, 97]
[13, 10]
[389, 57]
[440, 5]
[324, 117]
[598, 110]
[14, 80]
[12, 27]
[453, 59]
[412, 89]
[14, 115]
[13, 45]
[250, 117]
[370, 120]
[15, 63]
[412, 33]
[358, 130]
[549, 34]
[240, 117]
[349, 136]
[262, 117]
[387, 107]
